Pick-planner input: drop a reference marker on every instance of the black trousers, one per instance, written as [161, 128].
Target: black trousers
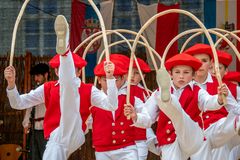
[37, 145]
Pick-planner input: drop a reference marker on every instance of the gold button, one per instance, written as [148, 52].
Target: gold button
[113, 124]
[169, 122]
[168, 139]
[167, 131]
[122, 132]
[114, 141]
[121, 123]
[113, 133]
[124, 140]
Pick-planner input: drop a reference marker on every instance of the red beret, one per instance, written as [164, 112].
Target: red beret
[183, 59]
[224, 57]
[120, 57]
[232, 76]
[143, 65]
[200, 48]
[78, 61]
[120, 68]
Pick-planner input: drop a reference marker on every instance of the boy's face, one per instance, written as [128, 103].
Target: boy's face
[206, 63]
[103, 82]
[136, 78]
[222, 70]
[120, 80]
[181, 75]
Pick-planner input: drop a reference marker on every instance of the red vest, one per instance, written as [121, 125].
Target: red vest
[232, 87]
[52, 102]
[140, 133]
[210, 117]
[109, 134]
[189, 101]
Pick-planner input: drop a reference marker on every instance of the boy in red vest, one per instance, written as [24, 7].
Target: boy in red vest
[234, 77]
[117, 138]
[216, 126]
[64, 99]
[140, 133]
[177, 133]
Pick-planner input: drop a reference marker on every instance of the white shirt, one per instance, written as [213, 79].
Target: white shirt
[232, 104]
[151, 110]
[137, 101]
[238, 95]
[39, 113]
[36, 97]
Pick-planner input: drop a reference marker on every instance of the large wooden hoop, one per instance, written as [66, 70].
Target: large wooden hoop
[227, 34]
[111, 32]
[120, 31]
[15, 31]
[215, 29]
[119, 34]
[142, 43]
[164, 56]
[105, 41]
[200, 30]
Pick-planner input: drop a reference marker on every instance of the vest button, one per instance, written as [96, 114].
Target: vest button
[113, 133]
[207, 116]
[169, 122]
[121, 123]
[168, 139]
[113, 124]
[167, 131]
[124, 140]
[114, 141]
[122, 132]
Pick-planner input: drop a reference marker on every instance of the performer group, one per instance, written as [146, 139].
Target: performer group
[197, 118]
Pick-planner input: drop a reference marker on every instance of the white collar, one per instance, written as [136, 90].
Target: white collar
[191, 84]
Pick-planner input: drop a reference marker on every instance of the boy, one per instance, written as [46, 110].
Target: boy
[117, 139]
[177, 133]
[61, 137]
[140, 133]
[213, 121]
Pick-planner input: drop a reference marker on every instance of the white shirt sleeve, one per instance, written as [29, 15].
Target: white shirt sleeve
[24, 101]
[232, 104]
[149, 113]
[238, 95]
[207, 101]
[138, 104]
[107, 102]
[26, 118]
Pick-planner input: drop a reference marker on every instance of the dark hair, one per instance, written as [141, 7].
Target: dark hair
[40, 68]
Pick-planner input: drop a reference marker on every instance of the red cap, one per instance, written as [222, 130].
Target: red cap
[120, 57]
[200, 48]
[232, 76]
[143, 65]
[120, 67]
[78, 61]
[183, 59]
[224, 57]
